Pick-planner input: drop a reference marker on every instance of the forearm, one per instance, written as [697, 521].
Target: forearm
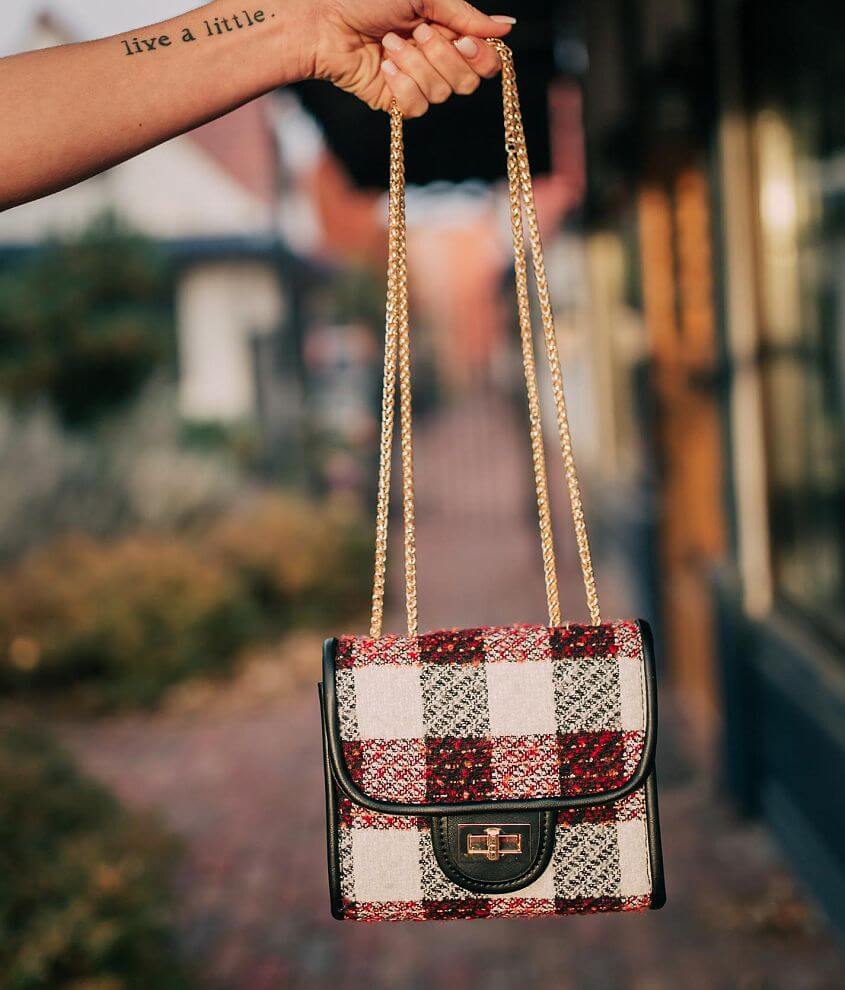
[68, 113]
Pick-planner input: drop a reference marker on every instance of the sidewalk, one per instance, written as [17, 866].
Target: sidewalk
[245, 791]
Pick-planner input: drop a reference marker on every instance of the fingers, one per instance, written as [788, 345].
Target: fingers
[482, 58]
[413, 64]
[461, 63]
[463, 18]
[412, 102]
[432, 66]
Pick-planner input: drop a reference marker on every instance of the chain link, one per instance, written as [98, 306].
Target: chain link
[397, 352]
[521, 190]
[396, 347]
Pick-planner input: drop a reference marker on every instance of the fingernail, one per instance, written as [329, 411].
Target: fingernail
[423, 33]
[503, 19]
[392, 42]
[389, 67]
[466, 46]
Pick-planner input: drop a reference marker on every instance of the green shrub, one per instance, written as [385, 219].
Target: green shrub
[84, 322]
[110, 623]
[84, 885]
[102, 624]
[302, 564]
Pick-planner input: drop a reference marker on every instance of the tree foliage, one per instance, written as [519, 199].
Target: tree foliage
[84, 322]
[85, 886]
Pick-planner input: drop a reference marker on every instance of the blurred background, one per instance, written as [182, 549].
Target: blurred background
[190, 350]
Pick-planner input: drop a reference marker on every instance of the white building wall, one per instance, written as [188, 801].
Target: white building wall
[173, 191]
[220, 306]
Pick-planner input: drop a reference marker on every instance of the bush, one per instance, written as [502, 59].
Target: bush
[130, 473]
[302, 565]
[115, 623]
[84, 322]
[84, 885]
[104, 624]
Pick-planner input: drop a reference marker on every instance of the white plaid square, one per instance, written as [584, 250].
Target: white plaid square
[633, 743]
[526, 767]
[587, 695]
[632, 842]
[388, 701]
[542, 889]
[386, 865]
[517, 644]
[628, 808]
[521, 698]
[454, 700]
[631, 693]
[394, 769]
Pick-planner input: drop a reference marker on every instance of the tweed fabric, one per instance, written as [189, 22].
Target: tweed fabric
[388, 870]
[492, 713]
[507, 713]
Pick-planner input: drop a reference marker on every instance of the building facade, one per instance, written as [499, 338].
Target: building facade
[714, 248]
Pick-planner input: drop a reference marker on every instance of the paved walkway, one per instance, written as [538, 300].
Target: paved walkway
[242, 784]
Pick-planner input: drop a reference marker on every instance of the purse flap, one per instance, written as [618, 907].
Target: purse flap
[494, 718]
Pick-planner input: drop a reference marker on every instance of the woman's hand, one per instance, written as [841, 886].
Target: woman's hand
[72, 111]
[417, 52]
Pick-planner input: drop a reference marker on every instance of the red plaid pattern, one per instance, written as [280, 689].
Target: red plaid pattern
[526, 764]
[458, 770]
[600, 864]
[506, 713]
[530, 712]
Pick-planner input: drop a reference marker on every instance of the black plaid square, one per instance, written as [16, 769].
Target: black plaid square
[353, 757]
[570, 642]
[454, 700]
[588, 905]
[591, 761]
[452, 646]
[458, 769]
[466, 907]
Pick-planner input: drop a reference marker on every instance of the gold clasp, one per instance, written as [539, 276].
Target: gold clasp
[492, 843]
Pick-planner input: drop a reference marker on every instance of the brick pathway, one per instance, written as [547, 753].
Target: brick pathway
[243, 788]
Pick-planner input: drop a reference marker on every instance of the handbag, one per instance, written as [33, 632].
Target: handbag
[501, 771]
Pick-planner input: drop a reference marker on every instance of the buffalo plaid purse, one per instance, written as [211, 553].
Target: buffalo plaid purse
[492, 772]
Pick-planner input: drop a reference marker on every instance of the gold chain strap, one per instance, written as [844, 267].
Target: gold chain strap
[397, 345]
[521, 187]
[397, 349]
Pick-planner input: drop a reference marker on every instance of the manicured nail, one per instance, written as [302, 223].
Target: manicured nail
[423, 33]
[392, 42]
[389, 67]
[466, 46]
[503, 19]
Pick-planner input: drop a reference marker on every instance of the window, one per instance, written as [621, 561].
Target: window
[797, 93]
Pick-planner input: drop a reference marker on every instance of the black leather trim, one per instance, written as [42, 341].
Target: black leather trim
[331, 823]
[655, 847]
[445, 842]
[346, 783]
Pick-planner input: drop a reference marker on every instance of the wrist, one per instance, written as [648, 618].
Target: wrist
[293, 48]
[280, 51]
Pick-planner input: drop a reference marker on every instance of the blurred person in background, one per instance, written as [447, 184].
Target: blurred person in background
[72, 111]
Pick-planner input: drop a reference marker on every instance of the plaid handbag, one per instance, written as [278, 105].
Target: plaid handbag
[492, 772]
